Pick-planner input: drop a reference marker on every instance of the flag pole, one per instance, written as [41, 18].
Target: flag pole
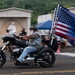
[52, 28]
[54, 17]
[55, 20]
[54, 24]
[58, 50]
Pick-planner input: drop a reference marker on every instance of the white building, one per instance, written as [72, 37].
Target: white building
[43, 18]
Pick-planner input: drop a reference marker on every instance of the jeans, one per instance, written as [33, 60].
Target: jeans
[26, 51]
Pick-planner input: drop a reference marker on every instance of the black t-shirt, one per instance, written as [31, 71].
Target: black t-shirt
[23, 33]
[48, 42]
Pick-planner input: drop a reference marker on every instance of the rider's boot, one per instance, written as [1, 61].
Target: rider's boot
[17, 62]
[35, 60]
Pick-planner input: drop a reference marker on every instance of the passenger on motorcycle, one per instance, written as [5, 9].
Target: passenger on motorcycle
[34, 43]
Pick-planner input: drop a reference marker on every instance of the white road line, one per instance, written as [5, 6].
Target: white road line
[66, 54]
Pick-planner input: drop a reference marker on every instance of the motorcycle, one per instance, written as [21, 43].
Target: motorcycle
[43, 56]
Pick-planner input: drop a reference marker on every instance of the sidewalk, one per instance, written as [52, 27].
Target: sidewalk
[68, 49]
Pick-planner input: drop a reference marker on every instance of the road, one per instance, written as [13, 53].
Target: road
[64, 65]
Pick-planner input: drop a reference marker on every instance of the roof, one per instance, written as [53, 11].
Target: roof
[71, 8]
[14, 8]
[45, 25]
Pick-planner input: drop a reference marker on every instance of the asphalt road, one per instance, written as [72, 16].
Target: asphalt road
[64, 65]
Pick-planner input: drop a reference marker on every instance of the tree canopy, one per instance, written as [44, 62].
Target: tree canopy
[39, 7]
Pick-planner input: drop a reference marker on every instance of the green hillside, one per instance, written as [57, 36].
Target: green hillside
[39, 7]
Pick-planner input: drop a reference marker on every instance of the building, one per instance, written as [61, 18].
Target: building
[43, 18]
[21, 18]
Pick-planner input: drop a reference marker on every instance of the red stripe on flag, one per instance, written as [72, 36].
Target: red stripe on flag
[62, 30]
[62, 25]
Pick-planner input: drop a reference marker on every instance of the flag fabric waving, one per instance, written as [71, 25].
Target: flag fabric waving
[65, 26]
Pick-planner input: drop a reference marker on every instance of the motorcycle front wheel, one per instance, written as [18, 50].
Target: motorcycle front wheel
[2, 59]
[48, 57]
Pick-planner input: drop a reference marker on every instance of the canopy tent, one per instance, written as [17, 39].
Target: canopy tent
[45, 25]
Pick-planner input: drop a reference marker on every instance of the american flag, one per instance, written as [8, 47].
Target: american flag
[65, 26]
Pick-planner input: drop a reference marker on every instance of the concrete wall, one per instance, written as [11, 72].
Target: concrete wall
[21, 18]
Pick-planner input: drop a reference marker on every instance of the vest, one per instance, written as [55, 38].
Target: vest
[35, 41]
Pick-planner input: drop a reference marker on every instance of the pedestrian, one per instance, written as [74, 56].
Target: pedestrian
[7, 32]
[23, 32]
[43, 40]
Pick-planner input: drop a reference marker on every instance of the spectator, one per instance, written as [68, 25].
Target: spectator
[7, 31]
[43, 40]
[23, 32]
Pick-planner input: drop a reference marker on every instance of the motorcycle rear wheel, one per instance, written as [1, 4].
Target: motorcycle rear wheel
[48, 57]
[2, 59]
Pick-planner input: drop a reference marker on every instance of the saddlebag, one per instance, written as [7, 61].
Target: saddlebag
[54, 45]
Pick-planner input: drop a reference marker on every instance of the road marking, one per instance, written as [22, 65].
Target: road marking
[66, 54]
[42, 72]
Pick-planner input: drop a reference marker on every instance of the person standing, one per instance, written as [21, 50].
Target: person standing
[23, 32]
[7, 32]
[43, 40]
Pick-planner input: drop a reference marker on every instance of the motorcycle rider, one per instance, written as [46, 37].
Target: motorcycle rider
[34, 43]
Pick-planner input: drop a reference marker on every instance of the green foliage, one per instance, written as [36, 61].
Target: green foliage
[39, 7]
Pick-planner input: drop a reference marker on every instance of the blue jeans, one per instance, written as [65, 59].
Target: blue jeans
[26, 51]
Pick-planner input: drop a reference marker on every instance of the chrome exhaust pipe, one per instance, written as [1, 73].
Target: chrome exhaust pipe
[29, 59]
